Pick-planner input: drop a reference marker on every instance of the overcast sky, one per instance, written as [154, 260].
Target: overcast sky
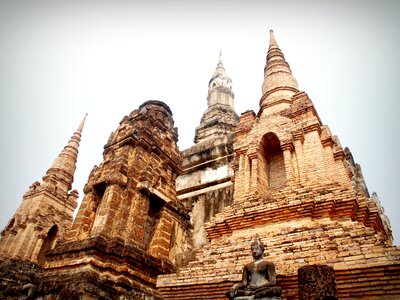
[61, 59]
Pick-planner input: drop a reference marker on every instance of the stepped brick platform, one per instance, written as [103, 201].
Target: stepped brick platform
[317, 200]
[295, 235]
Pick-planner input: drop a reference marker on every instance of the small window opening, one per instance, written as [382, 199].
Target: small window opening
[153, 217]
[48, 244]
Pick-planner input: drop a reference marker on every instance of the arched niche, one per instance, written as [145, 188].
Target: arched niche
[155, 206]
[48, 243]
[272, 169]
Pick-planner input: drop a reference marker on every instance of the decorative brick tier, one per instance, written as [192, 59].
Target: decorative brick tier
[315, 201]
[371, 283]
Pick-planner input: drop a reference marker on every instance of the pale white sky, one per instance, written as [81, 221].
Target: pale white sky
[61, 59]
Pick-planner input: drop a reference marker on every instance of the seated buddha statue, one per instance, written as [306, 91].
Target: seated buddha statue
[258, 277]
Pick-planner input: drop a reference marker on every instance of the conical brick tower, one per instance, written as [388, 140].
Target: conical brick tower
[45, 213]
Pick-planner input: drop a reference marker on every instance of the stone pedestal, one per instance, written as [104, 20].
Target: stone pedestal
[317, 282]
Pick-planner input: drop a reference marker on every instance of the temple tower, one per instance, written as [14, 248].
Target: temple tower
[45, 213]
[130, 226]
[205, 185]
[303, 194]
[279, 84]
[286, 143]
[220, 118]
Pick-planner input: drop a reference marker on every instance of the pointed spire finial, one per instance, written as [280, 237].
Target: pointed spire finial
[279, 84]
[80, 128]
[272, 41]
[64, 165]
[220, 64]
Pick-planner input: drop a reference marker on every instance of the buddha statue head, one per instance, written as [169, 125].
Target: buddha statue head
[257, 248]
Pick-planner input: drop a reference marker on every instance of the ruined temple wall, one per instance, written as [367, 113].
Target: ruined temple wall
[342, 243]
[205, 185]
[204, 176]
[372, 283]
[206, 205]
[302, 224]
[130, 226]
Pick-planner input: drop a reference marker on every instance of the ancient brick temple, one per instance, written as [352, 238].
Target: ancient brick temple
[205, 185]
[301, 192]
[156, 223]
[45, 213]
[130, 226]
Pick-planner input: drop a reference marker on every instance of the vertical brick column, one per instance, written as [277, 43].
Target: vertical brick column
[20, 238]
[240, 180]
[314, 153]
[247, 173]
[159, 246]
[7, 241]
[298, 148]
[330, 162]
[122, 227]
[253, 171]
[84, 220]
[136, 220]
[37, 246]
[32, 243]
[107, 210]
[287, 156]
[342, 174]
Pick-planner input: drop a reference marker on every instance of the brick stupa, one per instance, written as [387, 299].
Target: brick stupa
[302, 193]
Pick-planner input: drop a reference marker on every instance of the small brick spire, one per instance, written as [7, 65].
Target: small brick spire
[279, 83]
[80, 128]
[220, 77]
[220, 118]
[63, 167]
[220, 64]
[272, 41]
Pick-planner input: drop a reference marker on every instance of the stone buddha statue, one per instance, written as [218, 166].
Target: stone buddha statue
[258, 278]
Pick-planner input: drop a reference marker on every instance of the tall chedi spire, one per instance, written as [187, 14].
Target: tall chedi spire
[46, 211]
[220, 86]
[206, 165]
[220, 117]
[279, 84]
[63, 167]
[293, 186]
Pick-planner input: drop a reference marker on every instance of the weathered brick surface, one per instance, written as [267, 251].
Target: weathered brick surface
[302, 193]
[130, 226]
[205, 185]
[15, 274]
[317, 282]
